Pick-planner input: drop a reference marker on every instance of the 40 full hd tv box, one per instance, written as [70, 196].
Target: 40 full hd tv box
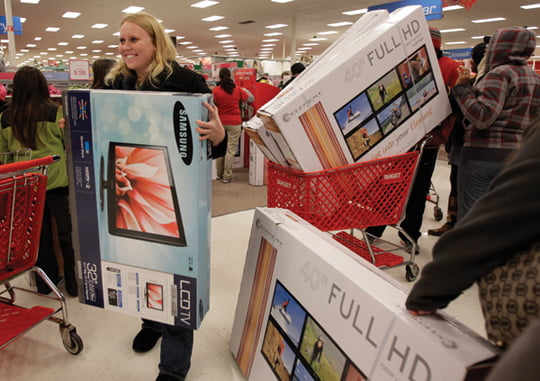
[310, 309]
[140, 197]
[374, 93]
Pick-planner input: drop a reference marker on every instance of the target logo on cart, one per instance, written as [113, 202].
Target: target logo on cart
[391, 177]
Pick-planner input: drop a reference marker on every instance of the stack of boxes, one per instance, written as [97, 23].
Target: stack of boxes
[374, 93]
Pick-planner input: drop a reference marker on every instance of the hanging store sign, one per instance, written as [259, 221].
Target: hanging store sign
[432, 8]
[16, 27]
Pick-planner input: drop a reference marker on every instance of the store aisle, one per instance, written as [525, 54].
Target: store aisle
[107, 336]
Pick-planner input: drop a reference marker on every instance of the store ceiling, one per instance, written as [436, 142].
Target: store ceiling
[312, 17]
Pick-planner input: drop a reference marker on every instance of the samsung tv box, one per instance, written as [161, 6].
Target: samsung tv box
[140, 197]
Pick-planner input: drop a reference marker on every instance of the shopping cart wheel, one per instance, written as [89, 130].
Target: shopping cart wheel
[71, 339]
[411, 271]
[437, 213]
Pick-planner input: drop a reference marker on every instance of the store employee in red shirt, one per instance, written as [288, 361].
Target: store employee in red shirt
[227, 97]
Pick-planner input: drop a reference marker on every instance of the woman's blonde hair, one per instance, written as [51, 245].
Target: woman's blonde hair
[165, 50]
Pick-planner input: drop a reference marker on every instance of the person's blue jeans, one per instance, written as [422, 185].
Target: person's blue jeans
[474, 179]
[176, 348]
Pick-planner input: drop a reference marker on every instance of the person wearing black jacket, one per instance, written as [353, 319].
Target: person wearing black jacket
[148, 64]
[497, 244]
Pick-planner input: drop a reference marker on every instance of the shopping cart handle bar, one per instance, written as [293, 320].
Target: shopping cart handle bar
[27, 164]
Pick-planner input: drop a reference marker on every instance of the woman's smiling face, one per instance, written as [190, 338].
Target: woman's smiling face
[136, 48]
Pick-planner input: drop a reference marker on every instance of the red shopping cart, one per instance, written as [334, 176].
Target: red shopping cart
[22, 198]
[352, 197]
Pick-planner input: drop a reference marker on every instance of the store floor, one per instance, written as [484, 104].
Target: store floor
[107, 336]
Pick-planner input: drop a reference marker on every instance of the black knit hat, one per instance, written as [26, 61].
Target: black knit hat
[297, 68]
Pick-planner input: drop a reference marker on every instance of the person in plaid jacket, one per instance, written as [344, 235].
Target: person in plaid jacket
[496, 111]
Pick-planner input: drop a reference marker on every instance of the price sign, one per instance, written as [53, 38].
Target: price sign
[79, 70]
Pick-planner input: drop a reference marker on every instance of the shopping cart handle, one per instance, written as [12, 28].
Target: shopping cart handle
[27, 164]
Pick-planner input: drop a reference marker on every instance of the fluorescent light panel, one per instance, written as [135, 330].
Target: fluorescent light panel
[530, 6]
[212, 18]
[275, 26]
[452, 8]
[71, 15]
[338, 24]
[132, 9]
[355, 12]
[452, 30]
[204, 4]
[481, 21]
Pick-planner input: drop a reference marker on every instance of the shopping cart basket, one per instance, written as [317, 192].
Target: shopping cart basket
[22, 198]
[352, 197]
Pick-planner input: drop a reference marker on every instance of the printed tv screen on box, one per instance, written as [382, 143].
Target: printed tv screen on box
[375, 93]
[310, 309]
[140, 196]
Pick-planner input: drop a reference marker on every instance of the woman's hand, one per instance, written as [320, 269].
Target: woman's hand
[62, 123]
[464, 76]
[213, 129]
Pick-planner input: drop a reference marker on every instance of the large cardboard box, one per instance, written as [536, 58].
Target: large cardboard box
[309, 309]
[140, 196]
[375, 93]
[257, 165]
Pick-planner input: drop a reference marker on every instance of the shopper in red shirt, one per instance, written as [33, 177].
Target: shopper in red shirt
[227, 97]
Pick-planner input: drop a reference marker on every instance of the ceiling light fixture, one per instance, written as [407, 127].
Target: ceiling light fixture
[276, 26]
[218, 28]
[452, 30]
[273, 34]
[455, 43]
[71, 15]
[78, 36]
[355, 12]
[452, 8]
[481, 21]
[99, 26]
[530, 6]
[223, 35]
[212, 18]
[328, 32]
[204, 4]
[52, 29]
[338, 24]
[30, 1]
[132, 9]
[281, 1]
